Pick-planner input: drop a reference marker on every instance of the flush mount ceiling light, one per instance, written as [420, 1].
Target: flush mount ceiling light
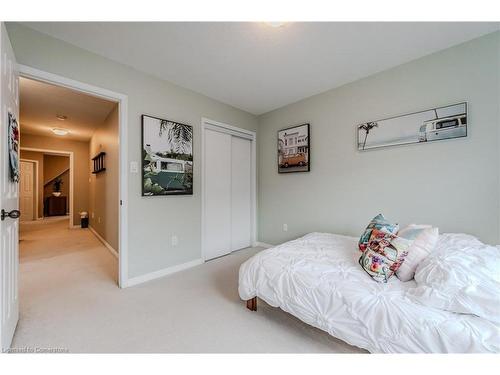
[61, 117]
[59, 131]
[275, 24]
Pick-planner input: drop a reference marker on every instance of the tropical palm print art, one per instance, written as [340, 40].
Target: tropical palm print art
[167, 157]
[433, 124]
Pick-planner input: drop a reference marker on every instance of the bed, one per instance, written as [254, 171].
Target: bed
[317, 278]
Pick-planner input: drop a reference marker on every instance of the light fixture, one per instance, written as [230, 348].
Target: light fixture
[275, 24]
[60, 131]
[61, 117]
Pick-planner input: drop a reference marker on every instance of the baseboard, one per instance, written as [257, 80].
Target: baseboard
[262, 244]
[164, 272]
[108, 246]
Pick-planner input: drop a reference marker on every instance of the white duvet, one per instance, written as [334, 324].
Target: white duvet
[317, 278]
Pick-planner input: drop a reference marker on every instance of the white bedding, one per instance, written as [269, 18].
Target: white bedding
[317, 278]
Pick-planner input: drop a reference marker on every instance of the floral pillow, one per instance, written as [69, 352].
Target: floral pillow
[380, 223]
[383, 255]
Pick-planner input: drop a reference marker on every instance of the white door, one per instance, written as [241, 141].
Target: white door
[9, 197]
[241, 190]
[217, 170]
[26, 191]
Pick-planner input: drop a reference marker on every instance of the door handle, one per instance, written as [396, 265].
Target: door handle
[14, 214]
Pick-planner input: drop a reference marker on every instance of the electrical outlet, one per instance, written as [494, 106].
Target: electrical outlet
[175, 240]
[92, 215]
[285, 227]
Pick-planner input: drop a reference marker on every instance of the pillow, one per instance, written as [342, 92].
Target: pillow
[383, 255]
[424, 239]
[380, 223]
[463, 277]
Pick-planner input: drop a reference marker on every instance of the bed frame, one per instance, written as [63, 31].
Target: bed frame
[252, 304]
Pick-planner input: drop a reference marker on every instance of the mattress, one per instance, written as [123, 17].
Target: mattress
[317, 278]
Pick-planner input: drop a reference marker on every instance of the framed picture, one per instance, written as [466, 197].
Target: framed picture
[294, 149]
[167, 157]
[425, 126]
[13, 146]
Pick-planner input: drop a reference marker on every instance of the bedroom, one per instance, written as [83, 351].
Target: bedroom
[255, 198]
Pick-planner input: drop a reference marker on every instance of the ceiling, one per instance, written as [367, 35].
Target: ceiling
[256, 67]
[40, 103]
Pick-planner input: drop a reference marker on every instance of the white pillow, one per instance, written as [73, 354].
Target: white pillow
[461, 277]
[424, 238]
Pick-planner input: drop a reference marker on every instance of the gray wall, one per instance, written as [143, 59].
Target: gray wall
[152, 220]
[452, 184]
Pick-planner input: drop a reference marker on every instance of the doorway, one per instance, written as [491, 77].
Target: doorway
[9, 225]
[63, 129]
[228, 189]
[53, 184]
[121, 170]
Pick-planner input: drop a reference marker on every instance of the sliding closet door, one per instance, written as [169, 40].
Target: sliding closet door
[241, 189]
[217, 166]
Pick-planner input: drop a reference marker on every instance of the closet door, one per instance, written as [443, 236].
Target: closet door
[241, 198]
[217, 194]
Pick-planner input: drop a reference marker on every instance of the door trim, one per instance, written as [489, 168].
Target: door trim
[71, 174]
[122, 100]
[239, 132]
[35, 162]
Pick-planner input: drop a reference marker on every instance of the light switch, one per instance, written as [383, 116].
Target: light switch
[175, 240]
[134, 167]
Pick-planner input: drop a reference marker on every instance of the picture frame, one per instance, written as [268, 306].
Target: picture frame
[293, 149]
[13, 147]
[167, 157]
[438, 123]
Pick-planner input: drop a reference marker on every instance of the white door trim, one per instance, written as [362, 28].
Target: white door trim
[35, 162]
[122, 100]
[71, 173]
[239, 132]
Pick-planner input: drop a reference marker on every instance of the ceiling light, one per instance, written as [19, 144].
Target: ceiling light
[275, 24]
[61, 117]
[59, 131]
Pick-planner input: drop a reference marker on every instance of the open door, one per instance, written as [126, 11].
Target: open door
[9, 192]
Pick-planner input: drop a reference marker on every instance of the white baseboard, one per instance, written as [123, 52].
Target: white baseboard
[164, 272]
[108, 246]
[262, 244]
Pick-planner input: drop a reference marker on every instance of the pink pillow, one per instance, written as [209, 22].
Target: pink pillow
[424, 239]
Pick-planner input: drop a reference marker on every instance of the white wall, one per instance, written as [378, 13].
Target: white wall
[453, 184]
[152, 220]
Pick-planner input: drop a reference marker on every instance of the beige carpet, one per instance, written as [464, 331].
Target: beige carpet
[70, 300]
